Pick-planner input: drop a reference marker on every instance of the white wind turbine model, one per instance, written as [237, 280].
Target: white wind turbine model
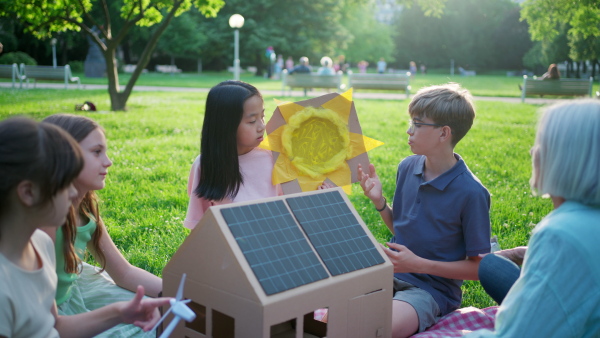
[180, 311]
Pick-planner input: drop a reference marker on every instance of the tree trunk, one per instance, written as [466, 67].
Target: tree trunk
[118, 99]
[126, 52]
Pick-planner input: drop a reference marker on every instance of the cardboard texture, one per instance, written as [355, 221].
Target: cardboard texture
[230, 301]
[311, 146]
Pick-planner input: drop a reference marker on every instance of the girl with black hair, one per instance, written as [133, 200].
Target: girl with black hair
[231, 167]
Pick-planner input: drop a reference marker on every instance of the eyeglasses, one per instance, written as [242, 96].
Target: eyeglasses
[412, 124]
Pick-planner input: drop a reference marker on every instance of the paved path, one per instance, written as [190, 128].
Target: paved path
[296, 93]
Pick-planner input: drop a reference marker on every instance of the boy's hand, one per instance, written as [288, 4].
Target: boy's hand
[404, 260]
[371, 184]
[142, 312]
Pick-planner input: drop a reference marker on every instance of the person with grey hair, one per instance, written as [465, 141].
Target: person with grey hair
[326, 66]
[557, 293]
[303, 67]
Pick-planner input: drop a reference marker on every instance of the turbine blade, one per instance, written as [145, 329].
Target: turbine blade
[180, 290]
[162, 319]
[167, 332]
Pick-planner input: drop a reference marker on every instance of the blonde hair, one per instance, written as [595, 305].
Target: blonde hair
[566, 154]
[448, 105]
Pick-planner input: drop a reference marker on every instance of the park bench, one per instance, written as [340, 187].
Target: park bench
[395, 81]
[131, 69]
[310, 80]
[569, 87]
[464, 72]
[61, 73]
[167, 69]
[12, 72]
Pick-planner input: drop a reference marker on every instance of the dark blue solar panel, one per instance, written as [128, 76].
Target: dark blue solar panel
[334, 232]
[274, 246]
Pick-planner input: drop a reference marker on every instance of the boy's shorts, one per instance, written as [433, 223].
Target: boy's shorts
[422, 301]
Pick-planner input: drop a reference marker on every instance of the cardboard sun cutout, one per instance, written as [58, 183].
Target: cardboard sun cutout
[316, 140]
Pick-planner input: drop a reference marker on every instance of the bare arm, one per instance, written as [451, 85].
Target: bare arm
[138, 311]
[371, 186]
[122, 272]
[405, 261]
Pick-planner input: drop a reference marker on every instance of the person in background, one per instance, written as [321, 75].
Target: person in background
[278, 66]
[552, 73]
[362, 66]
[289, 64]
[381, 66]
[412, 68]
[303, 67]
[326, 66]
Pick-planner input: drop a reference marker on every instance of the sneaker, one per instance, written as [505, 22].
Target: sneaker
[494, 243]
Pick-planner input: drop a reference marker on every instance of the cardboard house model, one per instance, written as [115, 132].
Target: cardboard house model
[262, 269]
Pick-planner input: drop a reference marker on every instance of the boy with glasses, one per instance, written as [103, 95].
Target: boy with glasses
[440, 211]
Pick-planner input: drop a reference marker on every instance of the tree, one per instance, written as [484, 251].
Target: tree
[183, 38]
[371, 40]
[46, 17]
[482, 34]
[292, 27]
[546, 17]
[579, 21]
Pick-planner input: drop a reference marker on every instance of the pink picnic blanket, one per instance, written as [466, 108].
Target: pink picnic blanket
[460, 322]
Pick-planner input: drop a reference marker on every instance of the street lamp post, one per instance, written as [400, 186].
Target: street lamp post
[236, 22]
[53, 43]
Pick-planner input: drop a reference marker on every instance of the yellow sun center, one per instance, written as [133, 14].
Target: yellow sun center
[316, 141]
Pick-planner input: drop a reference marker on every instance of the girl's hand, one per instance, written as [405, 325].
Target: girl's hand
[515, 254]
[142, 312]
[325, 185]
[404, 260]
[371, 185]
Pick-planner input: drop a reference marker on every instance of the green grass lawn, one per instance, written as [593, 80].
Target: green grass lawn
[480, 85]
[154, 144]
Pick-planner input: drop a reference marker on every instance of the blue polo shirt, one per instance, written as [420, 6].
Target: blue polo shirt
[446, 219]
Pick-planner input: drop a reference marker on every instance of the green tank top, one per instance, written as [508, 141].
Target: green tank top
[65, 280]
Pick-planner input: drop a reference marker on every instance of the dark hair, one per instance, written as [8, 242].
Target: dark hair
[553, 72]
[220, 174]
[79, 127]
[39, 152]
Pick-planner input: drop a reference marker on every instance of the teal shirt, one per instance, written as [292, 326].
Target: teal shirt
[65, 280]
[558, 292]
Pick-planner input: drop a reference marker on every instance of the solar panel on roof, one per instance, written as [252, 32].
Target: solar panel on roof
[274, 246]
[335, 233]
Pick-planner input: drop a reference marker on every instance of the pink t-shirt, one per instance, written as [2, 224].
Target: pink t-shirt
[256, 168]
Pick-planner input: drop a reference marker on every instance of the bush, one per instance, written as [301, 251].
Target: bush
[76, 66]
[18, 58]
